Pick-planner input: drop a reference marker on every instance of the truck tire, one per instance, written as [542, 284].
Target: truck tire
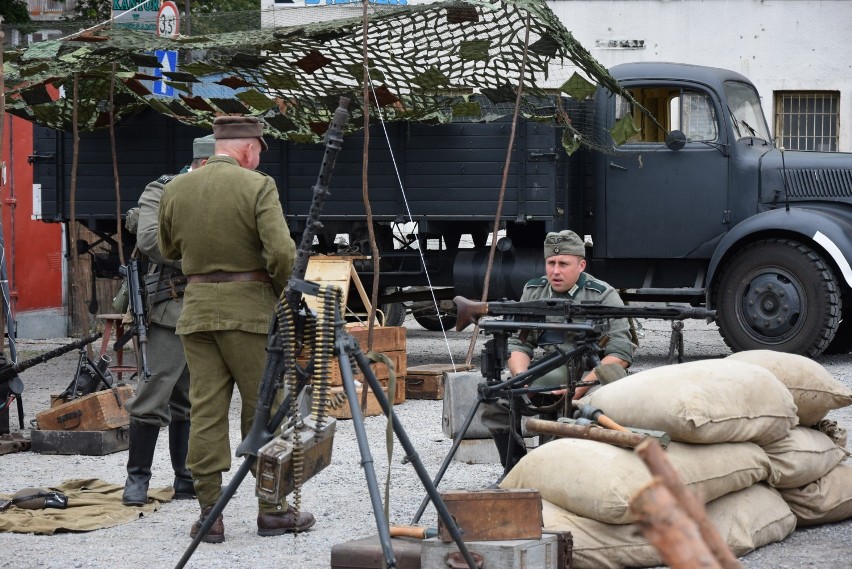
[778, 294]
[394, 314]
[426, 317]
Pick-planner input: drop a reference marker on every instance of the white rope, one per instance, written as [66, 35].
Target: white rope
[408, 210]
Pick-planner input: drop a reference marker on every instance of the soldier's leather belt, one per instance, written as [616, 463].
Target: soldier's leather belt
[226, 277]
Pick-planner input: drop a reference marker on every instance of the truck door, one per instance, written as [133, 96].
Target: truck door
[662, 203]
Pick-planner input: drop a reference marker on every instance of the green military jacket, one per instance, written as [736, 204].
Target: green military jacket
[164, 313]
[224, 217]
[588, 288]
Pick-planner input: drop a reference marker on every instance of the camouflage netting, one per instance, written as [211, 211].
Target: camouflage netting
[427, 62]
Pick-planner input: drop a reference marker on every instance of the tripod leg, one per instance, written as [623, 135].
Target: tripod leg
[364, 447]
[411, 453]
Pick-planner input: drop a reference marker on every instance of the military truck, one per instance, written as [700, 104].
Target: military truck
[699, 207]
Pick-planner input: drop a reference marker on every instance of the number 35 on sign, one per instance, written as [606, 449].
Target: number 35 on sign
[168, 23]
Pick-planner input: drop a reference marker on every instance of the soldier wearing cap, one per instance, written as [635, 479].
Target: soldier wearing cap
[565, 263]
[226, 224]
[163, 399]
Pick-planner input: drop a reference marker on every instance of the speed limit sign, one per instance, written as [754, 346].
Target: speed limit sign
[168, 23]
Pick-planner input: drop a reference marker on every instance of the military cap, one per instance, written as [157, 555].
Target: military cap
[39, 499]
[203, 147]
[239, 127]
[563, 243]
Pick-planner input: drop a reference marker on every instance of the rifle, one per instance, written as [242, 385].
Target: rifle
[130, 272]
[11, 384]
[470, 311]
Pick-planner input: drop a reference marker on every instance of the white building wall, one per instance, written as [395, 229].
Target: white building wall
[779, 44]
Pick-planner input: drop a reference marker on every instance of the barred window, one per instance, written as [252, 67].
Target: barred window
[807, 120]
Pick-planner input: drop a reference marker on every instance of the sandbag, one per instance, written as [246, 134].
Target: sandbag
[814, 390]
[706, 401]
[823, 501]
[746, 519]
[597, 480]
[802, 457]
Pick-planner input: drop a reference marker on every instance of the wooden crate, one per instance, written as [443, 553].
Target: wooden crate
[427, 381]
[493, 514]
[90, 443]
[373, 407]
[98, 411]
[389, 340]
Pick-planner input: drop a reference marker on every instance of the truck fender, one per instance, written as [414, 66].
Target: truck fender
[830, 229]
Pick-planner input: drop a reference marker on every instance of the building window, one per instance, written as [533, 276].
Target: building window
[807, 120]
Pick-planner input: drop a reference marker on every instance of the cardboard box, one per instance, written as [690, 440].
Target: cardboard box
[100, 411]
[493, 514]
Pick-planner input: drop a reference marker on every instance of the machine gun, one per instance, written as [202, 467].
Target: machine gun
[470, 311]
[11, 385]
[130, 272]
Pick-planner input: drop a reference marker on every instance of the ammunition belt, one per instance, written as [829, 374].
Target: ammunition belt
[164, 285]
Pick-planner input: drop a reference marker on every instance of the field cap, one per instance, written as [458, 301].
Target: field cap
[563, 243]
[203, 147]
[239, 127]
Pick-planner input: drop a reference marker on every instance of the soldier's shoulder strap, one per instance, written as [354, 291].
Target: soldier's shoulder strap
[537, 282]
[166, 178]
[589, 282]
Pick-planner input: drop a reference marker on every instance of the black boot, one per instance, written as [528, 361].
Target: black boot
[143, 441]
[178, 448]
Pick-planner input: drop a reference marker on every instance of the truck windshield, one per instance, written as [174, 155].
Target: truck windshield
[746, 112]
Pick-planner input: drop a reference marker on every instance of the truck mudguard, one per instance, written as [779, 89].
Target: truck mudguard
[828, 227]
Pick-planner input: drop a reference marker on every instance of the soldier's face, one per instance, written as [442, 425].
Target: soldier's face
[563, 271]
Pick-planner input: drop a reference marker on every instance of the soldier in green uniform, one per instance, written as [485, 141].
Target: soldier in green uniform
[565, 263]
[163, 398]
[226, 224]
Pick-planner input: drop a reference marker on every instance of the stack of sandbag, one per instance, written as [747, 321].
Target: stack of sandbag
[810, 474]
[722, 415]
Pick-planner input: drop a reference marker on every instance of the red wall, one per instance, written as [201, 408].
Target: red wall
[33, 248]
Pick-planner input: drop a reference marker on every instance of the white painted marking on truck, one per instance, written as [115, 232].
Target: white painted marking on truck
[836, 254]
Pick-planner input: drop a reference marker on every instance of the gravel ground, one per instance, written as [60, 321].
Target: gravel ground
[338, 496]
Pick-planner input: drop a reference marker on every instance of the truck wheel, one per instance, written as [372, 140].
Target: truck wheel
[394, 314]
[778, 295]
[426, 317]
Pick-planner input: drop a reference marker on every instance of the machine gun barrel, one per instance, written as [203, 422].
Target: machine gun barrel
[470, 311]
[10, 371]
[263, 428]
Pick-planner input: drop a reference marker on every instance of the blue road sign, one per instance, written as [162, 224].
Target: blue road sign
[168, 63]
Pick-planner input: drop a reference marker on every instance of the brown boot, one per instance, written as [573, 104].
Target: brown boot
[217, 530]
[284, 522]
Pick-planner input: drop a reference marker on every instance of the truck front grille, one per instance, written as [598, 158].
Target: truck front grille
[811, 183]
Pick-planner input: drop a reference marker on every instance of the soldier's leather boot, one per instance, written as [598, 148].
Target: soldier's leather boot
[143, 441]
[178, 448]
[217, 530]
[283, 522]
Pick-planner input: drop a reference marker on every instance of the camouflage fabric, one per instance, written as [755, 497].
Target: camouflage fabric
[426, 61]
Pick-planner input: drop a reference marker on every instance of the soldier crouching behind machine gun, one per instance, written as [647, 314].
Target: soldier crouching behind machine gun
[581, 324]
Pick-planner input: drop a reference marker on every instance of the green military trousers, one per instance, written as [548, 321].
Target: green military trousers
[218, 360]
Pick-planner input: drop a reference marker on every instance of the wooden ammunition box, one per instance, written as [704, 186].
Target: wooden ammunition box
[388, 340]
[543, 553]
[98, 411]
[493, 514]
[366, 553]
[91, 443]
[373, 407]
[427, 381]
